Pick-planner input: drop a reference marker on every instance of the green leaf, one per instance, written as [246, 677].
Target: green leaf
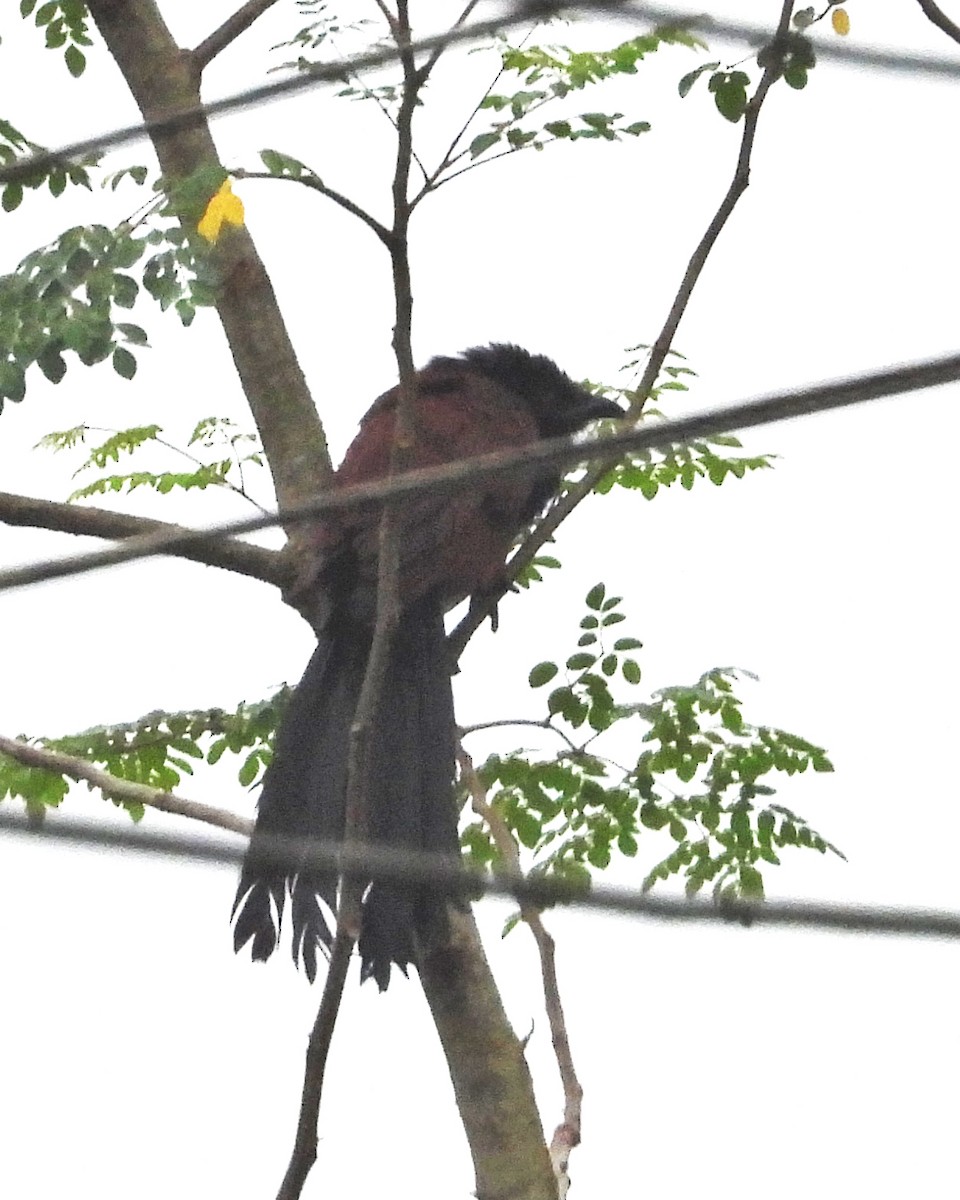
[732, 718]
[653, 817]
[133, 333]
[76, 61]
[12, 195]
[598, 120]
[542, 673]
[124, 363]
[511, 923]
[483, 142]
[594, 598]
[580, 662]
[249, 768]
[691, 77]
[730, 93]
[795, 76]
[51, 363]
[125, 290]
[12, 381]
[518, 138]
[631, 670]
[559, 700]
[627, 643]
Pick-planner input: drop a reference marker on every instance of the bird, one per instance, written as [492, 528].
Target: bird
[451, 547]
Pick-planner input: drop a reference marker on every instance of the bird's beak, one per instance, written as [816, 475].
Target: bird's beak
[593, 408]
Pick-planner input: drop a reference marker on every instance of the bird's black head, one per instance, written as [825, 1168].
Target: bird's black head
[559, 405]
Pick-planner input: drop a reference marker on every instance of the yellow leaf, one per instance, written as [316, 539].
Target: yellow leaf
[840, 21]
[224, 208]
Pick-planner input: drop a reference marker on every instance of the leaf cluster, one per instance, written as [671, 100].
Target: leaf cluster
[702, 774]
[14, 145]
[553, 73]
[313, 37]
[157, 750]
[794, 57]
[648, 471]
[212, 433]
[62, 298]
[65, 23]
[66, 296]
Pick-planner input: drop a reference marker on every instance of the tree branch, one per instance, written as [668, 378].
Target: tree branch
[935, 14]
[359, 760]
[305, 1144]
[228, 32]
[227, 553]
[567, 1134]
[123, 790]
[507, 722]
[559, 512]
[483, 1054]
[162, 79]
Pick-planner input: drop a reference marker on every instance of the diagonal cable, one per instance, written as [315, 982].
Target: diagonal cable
[766, 410]
[449, 878]
[524, 10]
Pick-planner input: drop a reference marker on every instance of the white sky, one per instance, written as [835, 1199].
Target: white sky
[138, 1055]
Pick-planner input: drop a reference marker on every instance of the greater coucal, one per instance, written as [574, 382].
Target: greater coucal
[450, 547]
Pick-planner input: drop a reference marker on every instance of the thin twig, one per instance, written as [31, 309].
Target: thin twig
[125, 791]
[934, 13]
[389, 16]
[449, 158]
[228, 32]
[362, 730]
[441, 46]
[370, 94]
[317, 184]
[510, 150]
[567, 1134]
[305, 1147]
[507, 722]
[198, 462]
[559, 512]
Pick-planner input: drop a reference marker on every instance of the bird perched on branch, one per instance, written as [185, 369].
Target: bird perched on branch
[490, 398]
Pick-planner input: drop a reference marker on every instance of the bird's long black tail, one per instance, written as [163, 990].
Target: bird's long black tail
[409, 802]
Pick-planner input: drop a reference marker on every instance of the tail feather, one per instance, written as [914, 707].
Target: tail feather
[410, 805]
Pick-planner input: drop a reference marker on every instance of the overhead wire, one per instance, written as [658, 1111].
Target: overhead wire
[524, 10]
[448, 877]
[765, 410]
